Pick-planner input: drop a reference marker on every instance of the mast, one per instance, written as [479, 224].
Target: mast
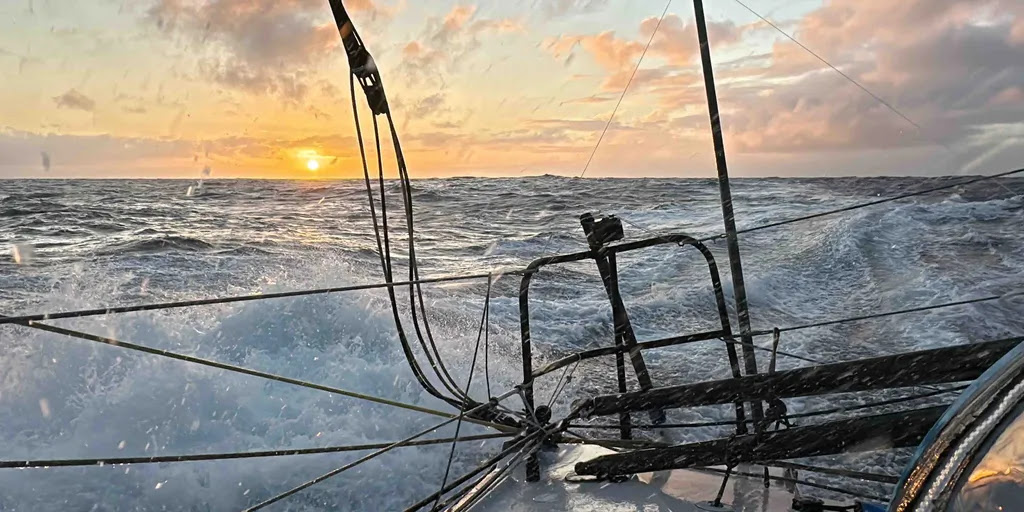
[735, 265]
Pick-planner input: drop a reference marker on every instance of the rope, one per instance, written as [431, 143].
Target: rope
[839, 210]
[385, 252]
[763, 349]
[559, 387]
[436, 364]
[521, 444]
[879, 315]
[801, 482]
[113, 461]
[440, 371]
[469, 381]
[626, 88]
[870, 203]
[827, 63]
[495, 479]
[862, 475]
[882, 403]
[296, 293]
[617, 445]
[371, 456]
[20, 319]
[254, 373]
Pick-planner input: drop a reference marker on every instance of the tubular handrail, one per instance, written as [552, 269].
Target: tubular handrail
[679, 239]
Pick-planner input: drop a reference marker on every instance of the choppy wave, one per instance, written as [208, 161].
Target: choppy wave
[159, 244]
[114, 242]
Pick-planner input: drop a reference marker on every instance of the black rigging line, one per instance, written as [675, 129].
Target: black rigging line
[861, 475]
[114, 461]
[480, 486]
[870, 203]
[881, 403]
[492, 478]
[469, 381]
[559, 387]
[466, 277]
[385, 254]
[837, 70]
[414, 265]
[763, 349]
[20, 319]
[844, 209]
[248, 371]
[366, 172]
[487, 339]
[880, 315]
[376, 454]
[524, 444]
[798, 481]
[362, 67]
[443, 376]
[626, 88]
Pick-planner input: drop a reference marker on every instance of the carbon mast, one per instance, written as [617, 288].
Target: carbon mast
[731, 237]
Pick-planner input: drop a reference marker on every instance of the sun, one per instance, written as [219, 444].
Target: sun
[312, 164]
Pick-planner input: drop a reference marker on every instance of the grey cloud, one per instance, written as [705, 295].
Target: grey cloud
[75, 100]
[558, 8]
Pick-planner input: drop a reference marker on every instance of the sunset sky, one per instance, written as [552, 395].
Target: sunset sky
[258, 88]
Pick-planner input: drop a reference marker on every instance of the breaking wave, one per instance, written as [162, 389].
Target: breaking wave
[122, 242]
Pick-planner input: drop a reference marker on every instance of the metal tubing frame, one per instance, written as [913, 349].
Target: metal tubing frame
[682, 240]
[612, 284]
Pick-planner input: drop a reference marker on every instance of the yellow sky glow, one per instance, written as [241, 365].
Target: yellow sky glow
[166, 88]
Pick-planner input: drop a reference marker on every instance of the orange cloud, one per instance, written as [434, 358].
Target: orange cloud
[458, 16]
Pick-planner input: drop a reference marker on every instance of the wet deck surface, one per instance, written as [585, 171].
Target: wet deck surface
[672, 491]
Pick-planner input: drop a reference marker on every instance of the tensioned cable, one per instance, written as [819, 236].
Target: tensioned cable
[469, 382]
[808, 414]
[18, 319]
[495, 479]
[243, 298]
[114, 461]
[796, 481]
[764, 349]
[844, 209]
[559, 386]
[870, 203]
[861, 475]
[373, 455]
[626, 88]
[73, 314]
[829, 64]
[532, 438]
[254, 373]
[480, 485]
[617, 445]
[856, 83]
[520, 445]
[880, 315]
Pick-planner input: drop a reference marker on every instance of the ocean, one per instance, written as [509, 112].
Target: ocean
[74, 244]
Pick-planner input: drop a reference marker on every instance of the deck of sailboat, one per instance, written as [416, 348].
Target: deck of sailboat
[664, 491]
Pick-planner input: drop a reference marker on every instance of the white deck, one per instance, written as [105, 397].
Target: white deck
[675, 491]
